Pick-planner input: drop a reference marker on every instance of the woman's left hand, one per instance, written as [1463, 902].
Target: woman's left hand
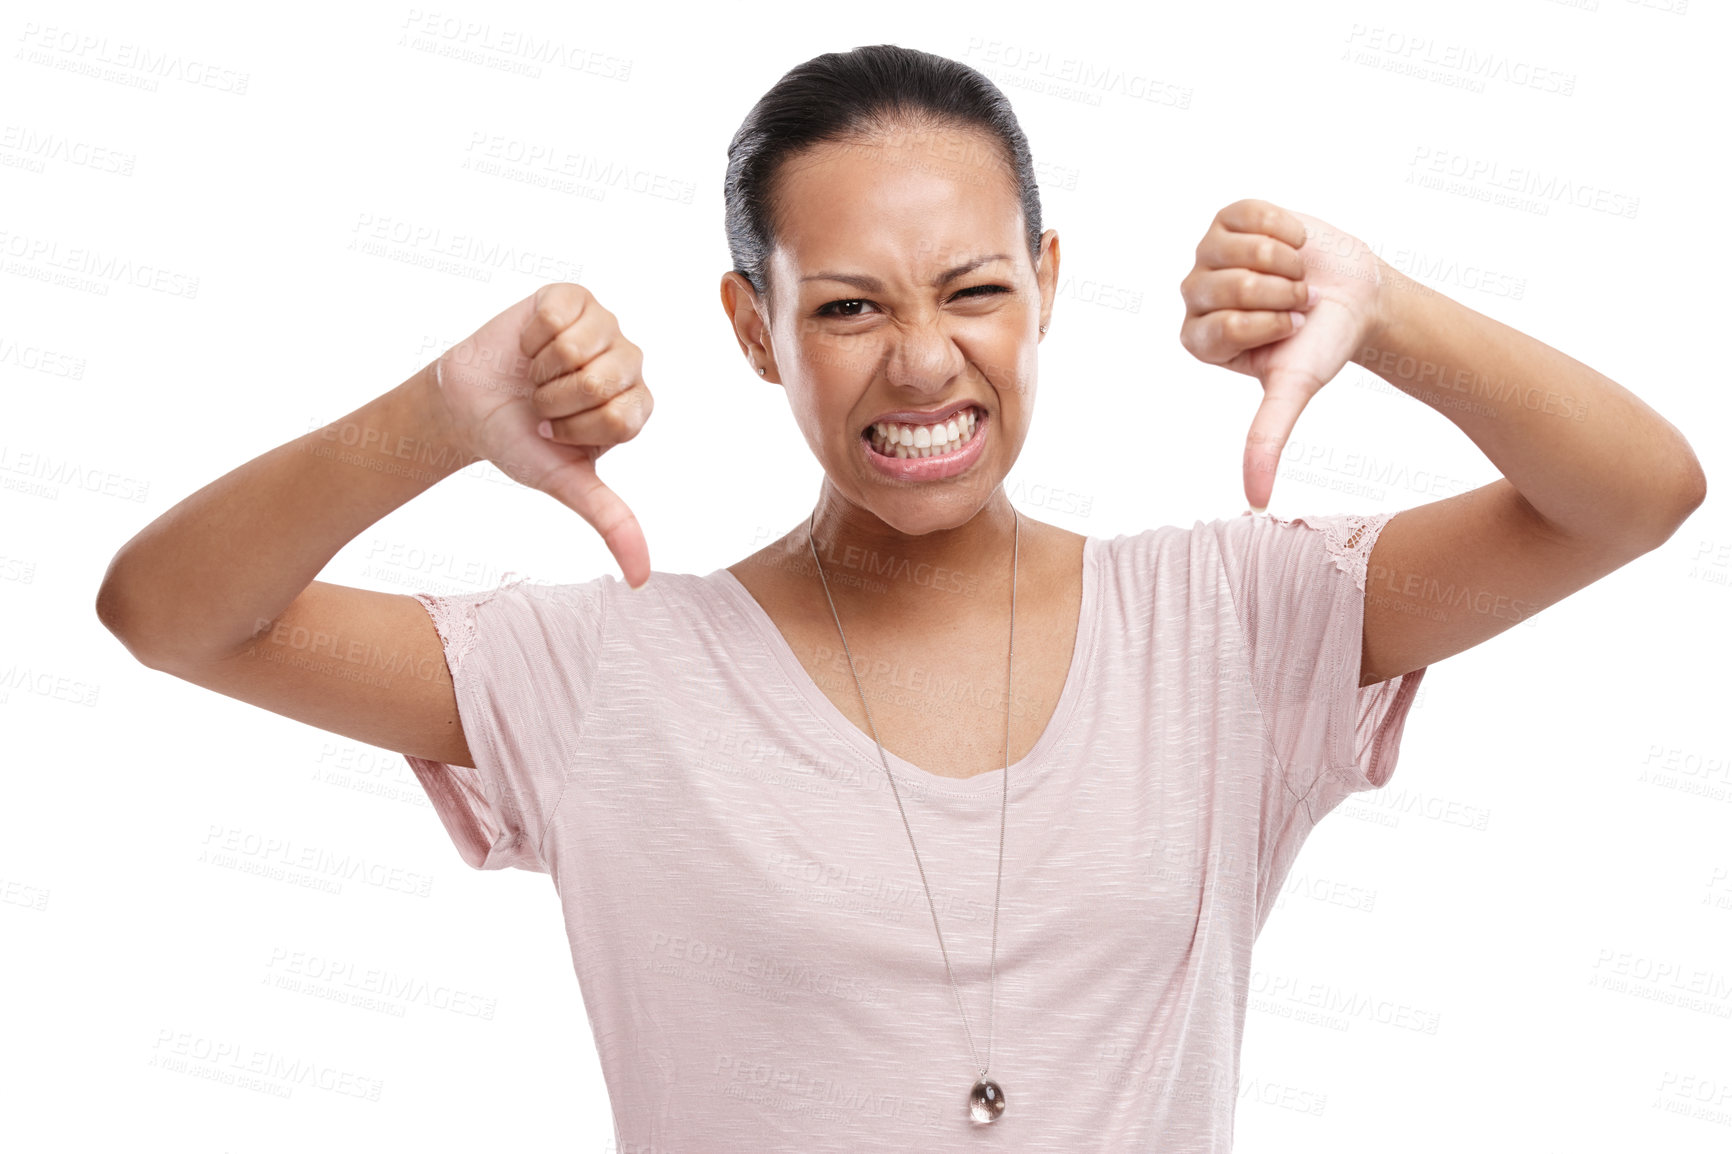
[1287, 299]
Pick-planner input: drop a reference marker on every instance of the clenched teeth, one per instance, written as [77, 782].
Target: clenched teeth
[897, 440]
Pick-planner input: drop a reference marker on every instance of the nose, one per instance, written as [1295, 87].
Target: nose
[925, 358]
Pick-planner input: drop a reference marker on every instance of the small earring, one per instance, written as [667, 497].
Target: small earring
[760, 372]
[1043, 328]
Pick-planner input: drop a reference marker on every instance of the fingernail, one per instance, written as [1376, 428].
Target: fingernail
[1298, 319]
[545, 428]
[1311, 295]
[1259, 512]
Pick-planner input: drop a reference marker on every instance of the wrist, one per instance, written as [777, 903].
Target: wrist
[429, 417]
[1394, 293]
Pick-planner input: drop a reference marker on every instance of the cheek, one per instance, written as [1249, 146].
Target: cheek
[818, 418]
[1011, 365]
[825, 383]
[1028, 369]
[833, 360]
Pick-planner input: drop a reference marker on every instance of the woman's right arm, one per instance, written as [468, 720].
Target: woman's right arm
[220, 590]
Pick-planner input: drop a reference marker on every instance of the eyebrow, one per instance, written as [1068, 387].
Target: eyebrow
[873, 284]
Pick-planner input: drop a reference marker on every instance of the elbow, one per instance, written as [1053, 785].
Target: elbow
[111, 603]
[112, 611]
[1682, 498]
[1695, 488]
[1692, 487]
[116, 608]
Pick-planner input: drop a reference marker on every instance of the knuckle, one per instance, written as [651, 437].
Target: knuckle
[566, 348]
[628, 357]
[1266, 253]
[547, 310]
[1248, 284]
[620, 420]
[556, 304]
[571, 297]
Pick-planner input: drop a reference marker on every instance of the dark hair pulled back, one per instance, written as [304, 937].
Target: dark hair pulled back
[844, 95]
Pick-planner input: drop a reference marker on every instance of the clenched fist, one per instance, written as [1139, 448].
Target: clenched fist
[1287, 299]
[542, 390]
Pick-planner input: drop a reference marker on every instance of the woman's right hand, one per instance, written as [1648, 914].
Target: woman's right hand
[555, 360]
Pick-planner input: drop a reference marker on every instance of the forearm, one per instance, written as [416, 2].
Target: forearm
[197, 580]
[1587, 454]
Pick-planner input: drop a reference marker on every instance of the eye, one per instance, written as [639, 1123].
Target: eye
[836, 308]
[852, 306]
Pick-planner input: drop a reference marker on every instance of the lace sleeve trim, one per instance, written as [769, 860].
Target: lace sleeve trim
[454, 617]
[1349, 538]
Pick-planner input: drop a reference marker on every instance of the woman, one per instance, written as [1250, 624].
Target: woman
[930, 825]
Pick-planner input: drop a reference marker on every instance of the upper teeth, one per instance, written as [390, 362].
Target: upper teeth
[900, 440]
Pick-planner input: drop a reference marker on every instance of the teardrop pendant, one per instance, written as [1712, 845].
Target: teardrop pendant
[986, 1101]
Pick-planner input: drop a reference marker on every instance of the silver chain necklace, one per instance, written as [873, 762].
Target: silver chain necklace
[986, 1099]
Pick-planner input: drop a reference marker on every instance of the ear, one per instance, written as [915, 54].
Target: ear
[1046, 274]
[749, 314]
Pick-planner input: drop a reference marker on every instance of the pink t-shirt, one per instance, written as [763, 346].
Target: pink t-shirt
[749, 931]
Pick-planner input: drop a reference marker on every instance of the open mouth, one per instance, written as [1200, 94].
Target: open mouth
[892, 439]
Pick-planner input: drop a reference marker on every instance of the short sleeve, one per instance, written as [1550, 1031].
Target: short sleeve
[1298, 587]
[524, 660]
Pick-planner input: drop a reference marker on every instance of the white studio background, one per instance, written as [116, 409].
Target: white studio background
[222, 227]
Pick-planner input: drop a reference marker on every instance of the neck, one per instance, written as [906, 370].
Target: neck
[970, 558]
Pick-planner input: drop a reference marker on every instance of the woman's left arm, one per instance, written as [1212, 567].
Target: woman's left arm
[1592, 477]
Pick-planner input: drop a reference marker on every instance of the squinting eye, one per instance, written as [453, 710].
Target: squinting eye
[846, 309]
[829, 309]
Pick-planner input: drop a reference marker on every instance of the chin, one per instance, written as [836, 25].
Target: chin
[920, 510]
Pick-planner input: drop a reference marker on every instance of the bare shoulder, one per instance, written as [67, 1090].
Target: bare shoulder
[1061, 541]
[1058, 553]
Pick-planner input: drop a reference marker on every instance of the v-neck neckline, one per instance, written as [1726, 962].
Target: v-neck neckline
[860, 742]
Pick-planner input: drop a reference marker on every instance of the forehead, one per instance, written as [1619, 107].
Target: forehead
[920, 197]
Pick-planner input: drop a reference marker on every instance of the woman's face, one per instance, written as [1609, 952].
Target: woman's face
[901, 290]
